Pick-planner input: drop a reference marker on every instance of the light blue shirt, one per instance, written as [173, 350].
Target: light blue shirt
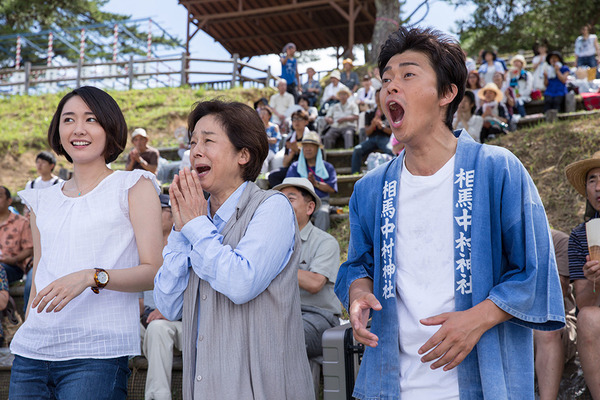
[242, 273]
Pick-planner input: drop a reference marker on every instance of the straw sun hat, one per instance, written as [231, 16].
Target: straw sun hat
[492, 87]
[577, 172]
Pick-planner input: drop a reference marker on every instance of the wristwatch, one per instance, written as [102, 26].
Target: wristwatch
[101, 279]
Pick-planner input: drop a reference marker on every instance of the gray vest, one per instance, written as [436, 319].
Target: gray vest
[254, 350]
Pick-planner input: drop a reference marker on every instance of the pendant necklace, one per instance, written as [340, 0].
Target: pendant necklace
[80, 191]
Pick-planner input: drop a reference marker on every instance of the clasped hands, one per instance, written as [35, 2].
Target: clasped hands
[187, 198]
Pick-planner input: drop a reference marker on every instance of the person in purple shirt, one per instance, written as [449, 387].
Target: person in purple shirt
[319, 172]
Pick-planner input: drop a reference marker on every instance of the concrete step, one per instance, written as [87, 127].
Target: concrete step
[346, 184]
[340, 158]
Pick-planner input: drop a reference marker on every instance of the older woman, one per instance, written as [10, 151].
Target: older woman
[238, 293]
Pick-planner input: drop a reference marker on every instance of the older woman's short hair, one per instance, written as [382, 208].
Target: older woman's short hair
[243, 127]
[107, 113]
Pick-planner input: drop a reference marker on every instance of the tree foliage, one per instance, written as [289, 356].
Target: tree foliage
[35, 16]
[513, 25]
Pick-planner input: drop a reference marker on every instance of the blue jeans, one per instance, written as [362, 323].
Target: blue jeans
[73, 379]
[589, 61]
[13, 273]
[368, 146]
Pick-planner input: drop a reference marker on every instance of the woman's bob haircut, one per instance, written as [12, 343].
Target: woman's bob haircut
[107, 113]
[243, 127]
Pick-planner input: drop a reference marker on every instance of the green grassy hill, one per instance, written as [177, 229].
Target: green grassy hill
[544, 149]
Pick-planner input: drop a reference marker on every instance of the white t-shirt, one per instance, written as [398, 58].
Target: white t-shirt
[425, 278]
[78, 233]
[38, 183]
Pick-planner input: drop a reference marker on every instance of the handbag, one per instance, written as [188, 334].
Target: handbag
[11, 321]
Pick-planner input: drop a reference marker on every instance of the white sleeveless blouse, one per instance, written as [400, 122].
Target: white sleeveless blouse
[78, 233]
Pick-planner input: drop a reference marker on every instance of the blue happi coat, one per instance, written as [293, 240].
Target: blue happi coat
[503, 252]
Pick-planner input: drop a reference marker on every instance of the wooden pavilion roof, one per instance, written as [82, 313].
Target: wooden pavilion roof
[257, 27]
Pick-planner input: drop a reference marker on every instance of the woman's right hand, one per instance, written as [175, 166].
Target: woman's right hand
[59, 293]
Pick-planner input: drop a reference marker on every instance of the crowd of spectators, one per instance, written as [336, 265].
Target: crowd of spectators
[300, 124]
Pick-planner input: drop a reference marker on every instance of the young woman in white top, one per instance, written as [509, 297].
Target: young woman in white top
[97, 243]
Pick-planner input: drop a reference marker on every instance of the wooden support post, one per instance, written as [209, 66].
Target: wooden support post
[27, 76]
[79, 68]
[234, 74]
[130, 72]
[184, 79]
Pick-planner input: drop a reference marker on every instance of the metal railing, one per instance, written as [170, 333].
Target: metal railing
[133, 74]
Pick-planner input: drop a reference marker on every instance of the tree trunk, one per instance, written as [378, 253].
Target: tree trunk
[387, 21]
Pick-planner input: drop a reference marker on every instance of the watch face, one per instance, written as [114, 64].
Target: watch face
[102, 277]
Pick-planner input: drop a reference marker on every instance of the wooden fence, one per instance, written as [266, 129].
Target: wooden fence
[133, 74]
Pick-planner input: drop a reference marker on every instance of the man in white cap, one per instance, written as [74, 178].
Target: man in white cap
[142, 156]
[342, 119]
[584, 175]
[318, 268]
[331, 90]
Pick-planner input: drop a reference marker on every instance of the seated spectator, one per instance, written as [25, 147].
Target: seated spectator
[555, 79]
[555, 348]
[142, 156]
[365, 96]
[349, 78]
[292, 149]
[539, 65]
[4, 296]
[161, 336]
[318, 266]
[375, 78]
[44, 164]
[311, 89]
[378, 132]
[584, 176]
[16, 243]
[508, 99]
[273, 136]
[522, 83]
[474, 85]
[279, 103]
[489, 67]
[320, 173]
[341, 118]
[313, 113]
[494, 112]
[467, 119]
[330, 93]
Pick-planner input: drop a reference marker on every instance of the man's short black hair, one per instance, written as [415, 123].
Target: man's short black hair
[46, 156]
[445, 57]
[6, 191]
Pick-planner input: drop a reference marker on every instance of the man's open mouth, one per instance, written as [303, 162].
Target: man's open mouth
[396, 112]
